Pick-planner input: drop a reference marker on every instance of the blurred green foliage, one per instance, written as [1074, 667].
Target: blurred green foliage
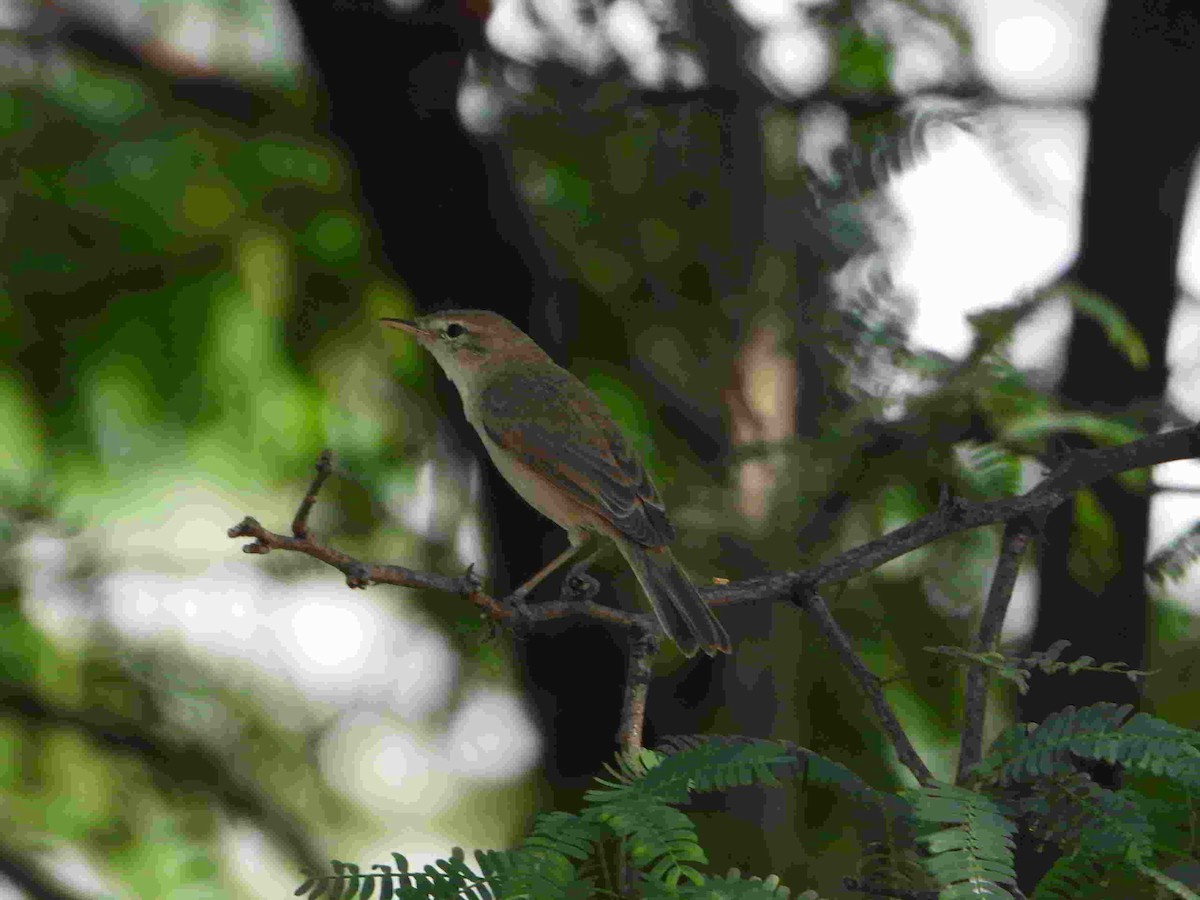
[156, 339]
[151, 304]
[864, 62]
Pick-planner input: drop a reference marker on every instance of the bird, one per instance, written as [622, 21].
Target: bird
[559, 447]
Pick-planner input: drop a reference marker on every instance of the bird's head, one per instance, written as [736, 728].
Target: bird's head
[467, 343]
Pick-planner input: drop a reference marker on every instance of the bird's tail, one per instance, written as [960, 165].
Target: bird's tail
[685, 618]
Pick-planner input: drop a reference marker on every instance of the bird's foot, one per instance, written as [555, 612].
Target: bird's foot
[579, 586]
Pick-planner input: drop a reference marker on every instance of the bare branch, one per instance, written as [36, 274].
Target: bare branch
[868, 682]
[1012, 547]
[360, 575]
[637, 690]
[1022, 514]
[1076, 469]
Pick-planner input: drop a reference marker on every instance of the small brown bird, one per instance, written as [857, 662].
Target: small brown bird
[559, 447]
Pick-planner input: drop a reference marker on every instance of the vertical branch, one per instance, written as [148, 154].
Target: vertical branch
[868, 682]
[1012, 547]
[637, 690]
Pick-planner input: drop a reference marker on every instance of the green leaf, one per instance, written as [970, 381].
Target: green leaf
[1118, 329]
[974, 856]
[1043, 424]
[1094, 555]
[22, 450]
[992, 470]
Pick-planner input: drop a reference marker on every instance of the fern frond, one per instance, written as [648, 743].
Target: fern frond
[1167, 883]
[1001, 665]
[1078, 814]
[444, 880]
[792, 759]
[1099, 732]
[1024, 752]
[661, 840]
[892, 864]
[705, 765]
[1080, 876]
[973, 858]
[732, 886]
[542, 865]
[1154, 745]
[1075, 876]
[540, 869]
[1017, 669]
[636, 804]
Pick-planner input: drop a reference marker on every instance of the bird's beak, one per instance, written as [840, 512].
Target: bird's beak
[411, 327]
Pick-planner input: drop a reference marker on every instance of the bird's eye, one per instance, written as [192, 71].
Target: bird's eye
[454, 330]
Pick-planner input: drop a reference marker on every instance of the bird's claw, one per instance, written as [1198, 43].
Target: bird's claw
[516, 600]
[580, 586]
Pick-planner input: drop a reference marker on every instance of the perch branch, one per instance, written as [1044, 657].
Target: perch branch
[360, 575]
[1077, 469]
[1021, 514]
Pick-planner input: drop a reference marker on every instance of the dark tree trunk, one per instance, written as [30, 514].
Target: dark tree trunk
[448, 220]
[1142, 140]
[1140, 153]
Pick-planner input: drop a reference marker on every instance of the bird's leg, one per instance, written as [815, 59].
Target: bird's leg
[540, 575]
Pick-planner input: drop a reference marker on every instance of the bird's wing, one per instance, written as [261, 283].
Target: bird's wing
[558, 428]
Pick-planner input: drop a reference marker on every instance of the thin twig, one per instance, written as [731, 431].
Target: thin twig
[868, 682]
[1017, 533]
[324, 467]
[360, 575]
